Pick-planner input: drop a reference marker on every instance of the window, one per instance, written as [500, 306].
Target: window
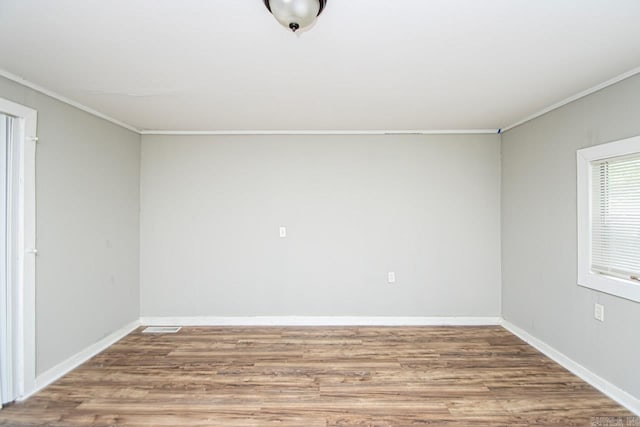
[609, 218]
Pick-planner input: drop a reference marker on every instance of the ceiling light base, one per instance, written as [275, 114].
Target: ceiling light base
[295, 14]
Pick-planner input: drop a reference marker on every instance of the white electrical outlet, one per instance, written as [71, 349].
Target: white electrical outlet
[599, 312]
[283, 231]
[391, 277]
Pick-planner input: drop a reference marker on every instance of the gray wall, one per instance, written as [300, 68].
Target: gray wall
[539, 262]
[356, 207]
[87, 226]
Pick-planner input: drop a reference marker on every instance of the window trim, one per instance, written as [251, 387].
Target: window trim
[620, 287]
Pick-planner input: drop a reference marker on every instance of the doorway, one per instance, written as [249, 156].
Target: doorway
[17, 251]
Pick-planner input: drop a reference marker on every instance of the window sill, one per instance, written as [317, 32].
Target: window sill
[622, 288]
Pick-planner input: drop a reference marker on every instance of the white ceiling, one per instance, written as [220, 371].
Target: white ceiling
[365, 65]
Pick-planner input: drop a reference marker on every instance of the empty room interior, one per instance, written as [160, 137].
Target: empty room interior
[319, 213]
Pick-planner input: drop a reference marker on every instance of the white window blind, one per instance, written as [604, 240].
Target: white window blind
[615, 216]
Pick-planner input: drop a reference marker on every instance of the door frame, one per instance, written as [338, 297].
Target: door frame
[25, 230]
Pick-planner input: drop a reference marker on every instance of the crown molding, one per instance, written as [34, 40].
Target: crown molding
[575, 97]
[57, 96]
[64, 99]
[322, 132]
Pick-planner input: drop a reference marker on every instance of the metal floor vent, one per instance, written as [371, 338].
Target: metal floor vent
[161, 330]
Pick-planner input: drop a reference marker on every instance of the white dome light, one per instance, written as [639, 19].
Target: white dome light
[295, 14]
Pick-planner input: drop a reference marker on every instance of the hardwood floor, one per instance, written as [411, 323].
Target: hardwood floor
[317, 376]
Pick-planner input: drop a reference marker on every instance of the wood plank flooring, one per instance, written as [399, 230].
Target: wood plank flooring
[317, 376]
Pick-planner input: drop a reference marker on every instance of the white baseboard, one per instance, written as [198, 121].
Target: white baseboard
[318, 321]
[614, 392]
[78, 359]
[604, 386]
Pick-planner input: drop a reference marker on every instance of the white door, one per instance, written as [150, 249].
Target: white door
[4, 289]
[8, 389]
[17, 250]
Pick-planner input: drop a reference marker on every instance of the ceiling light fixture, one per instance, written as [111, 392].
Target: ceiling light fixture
[295, 14]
